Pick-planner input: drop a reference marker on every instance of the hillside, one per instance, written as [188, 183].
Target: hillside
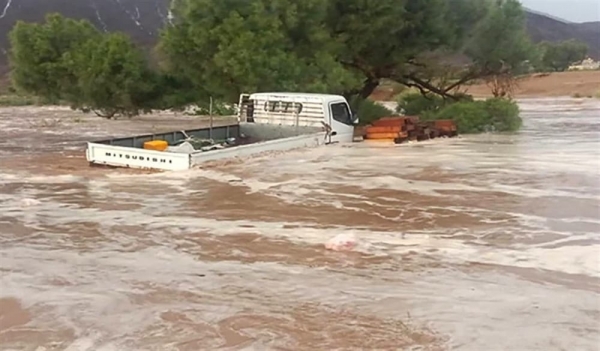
[142, 19]
[541, 27]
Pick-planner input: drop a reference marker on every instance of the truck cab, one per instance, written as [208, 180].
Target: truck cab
[330, 112]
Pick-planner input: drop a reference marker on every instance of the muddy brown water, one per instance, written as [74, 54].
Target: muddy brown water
[488, 242]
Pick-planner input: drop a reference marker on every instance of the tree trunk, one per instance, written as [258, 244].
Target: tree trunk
[368, 88]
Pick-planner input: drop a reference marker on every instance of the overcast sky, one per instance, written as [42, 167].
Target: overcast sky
[571, 10]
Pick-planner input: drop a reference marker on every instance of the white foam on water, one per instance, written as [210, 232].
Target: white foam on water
[494, 311]
[571, 259]
[496, 306]
[298, 188]
[557, 105]
[43, 179]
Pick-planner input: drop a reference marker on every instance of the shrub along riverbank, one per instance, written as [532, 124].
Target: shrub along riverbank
[471, 116]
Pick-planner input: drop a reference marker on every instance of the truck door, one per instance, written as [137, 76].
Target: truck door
[341, 122]
[246, 109]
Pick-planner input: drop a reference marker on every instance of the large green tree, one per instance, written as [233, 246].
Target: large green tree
[227, 47]
[484, 40]
[66, 60]
[113, 77]
[379, 39]
[221, 48]
[348, 46]
[557, 57]
[37, 55]
[500, 47]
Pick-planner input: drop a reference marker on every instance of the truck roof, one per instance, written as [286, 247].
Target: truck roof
[308, 96]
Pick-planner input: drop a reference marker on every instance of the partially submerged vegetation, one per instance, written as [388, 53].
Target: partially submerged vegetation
[491, 115]
[349, 47]
[471, 116]
[558, 57]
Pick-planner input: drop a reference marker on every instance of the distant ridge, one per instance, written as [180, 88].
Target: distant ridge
[542, 27]
[540, 13]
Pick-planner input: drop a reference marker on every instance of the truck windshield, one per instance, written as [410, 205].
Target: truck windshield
[341, 113]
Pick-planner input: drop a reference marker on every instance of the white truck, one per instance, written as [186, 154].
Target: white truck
[266, 122]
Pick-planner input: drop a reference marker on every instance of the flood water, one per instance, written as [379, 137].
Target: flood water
[488, 242]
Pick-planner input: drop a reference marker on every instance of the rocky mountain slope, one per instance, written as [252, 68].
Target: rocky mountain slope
[142, 19]
[541, 27]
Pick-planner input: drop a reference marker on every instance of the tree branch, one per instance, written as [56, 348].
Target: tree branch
[422, 84]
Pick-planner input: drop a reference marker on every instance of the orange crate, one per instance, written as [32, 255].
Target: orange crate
[412, 119]
[390, 129]
[157, 145]
[390, 122]
[445, 125]
[379, 136]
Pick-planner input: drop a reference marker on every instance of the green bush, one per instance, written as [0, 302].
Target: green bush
[492, 115]
[71, 61]
[368, 111]
[417, 104]
[504, 114]
[470, 117]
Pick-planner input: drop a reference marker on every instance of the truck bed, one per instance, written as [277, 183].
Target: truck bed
[250, 139]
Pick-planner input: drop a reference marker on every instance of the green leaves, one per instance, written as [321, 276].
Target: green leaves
[112, 76]
[229, 47]
[221, 48]
[491, 115]
[558, 57]
[67, 60]
[38, 55]
[500, 42]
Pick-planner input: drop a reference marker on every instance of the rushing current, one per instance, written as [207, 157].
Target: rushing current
[487, 242]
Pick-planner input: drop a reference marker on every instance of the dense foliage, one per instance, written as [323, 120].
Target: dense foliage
[38, 55]
[221, 48]
[491, 115]
[262, 45]
[416, 104]
[557, 57]
[495, 114]
[70, 61]
[342, 46]
[368, 111]
[113, 77]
